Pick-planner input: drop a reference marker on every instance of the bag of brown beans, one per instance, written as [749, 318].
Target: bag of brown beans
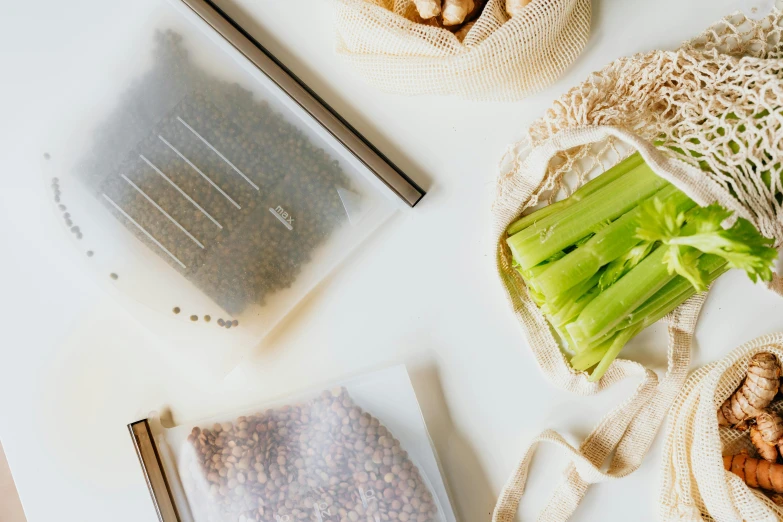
[356, 452]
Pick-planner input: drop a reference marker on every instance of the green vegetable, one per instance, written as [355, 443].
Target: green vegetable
[672, 295]
[630, 163]
[562, 229]
[614, 304]
[741, 245]
[622, 254]
[607, 245]
[623, 264]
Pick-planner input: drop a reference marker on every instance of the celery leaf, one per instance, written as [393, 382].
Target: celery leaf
[741, 245]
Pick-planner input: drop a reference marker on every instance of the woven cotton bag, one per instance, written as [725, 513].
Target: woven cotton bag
[695, 486]
[652, 103]
[501, 58]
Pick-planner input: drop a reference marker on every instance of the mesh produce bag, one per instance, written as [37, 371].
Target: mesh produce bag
[719, 98]
[695, 486]
[499, 59]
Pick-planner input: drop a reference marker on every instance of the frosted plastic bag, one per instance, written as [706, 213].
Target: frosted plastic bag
[358, 451]
[197, 187]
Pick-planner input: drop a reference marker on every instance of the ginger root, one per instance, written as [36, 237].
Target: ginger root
[450, 13]
[756, 473]
[456, 11]
[754, 394]
[427, 8]
[514, 7]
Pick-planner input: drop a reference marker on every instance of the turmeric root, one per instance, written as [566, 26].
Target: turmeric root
[514, 7]
[766, 451]
[756, 473]
[754, 394]
[770, 425]
[427, 8]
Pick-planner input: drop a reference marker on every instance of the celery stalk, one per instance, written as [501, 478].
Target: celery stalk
[655, 309]
[576, 205]
[587, 359]
[614, 304]
[571, 310]
[556, 232]
[634, 288]
[554, 306]
[672, 295]
[604, 247]
[614, 350]
[536, 296]
[622, 168]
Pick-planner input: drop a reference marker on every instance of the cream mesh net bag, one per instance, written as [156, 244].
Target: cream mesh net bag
[721, 96]
[499, 59]
[695, 486]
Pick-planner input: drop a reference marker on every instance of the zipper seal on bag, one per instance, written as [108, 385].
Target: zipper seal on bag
[359, 147]
[154, 474]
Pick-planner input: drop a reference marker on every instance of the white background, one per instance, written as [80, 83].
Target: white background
[75, 367]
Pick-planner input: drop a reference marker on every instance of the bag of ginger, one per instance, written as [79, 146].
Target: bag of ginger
[717, 91]
[695, 484]
[495, 57]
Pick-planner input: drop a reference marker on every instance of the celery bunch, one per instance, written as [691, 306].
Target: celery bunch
[623, 251]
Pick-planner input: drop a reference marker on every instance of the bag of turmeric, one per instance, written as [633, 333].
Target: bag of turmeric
[494, 57]
[711, 469]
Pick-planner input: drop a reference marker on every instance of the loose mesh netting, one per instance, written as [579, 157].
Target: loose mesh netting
[500, 58]
[719, 98]
[709, 119]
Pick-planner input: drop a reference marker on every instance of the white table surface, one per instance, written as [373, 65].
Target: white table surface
[76, 367]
